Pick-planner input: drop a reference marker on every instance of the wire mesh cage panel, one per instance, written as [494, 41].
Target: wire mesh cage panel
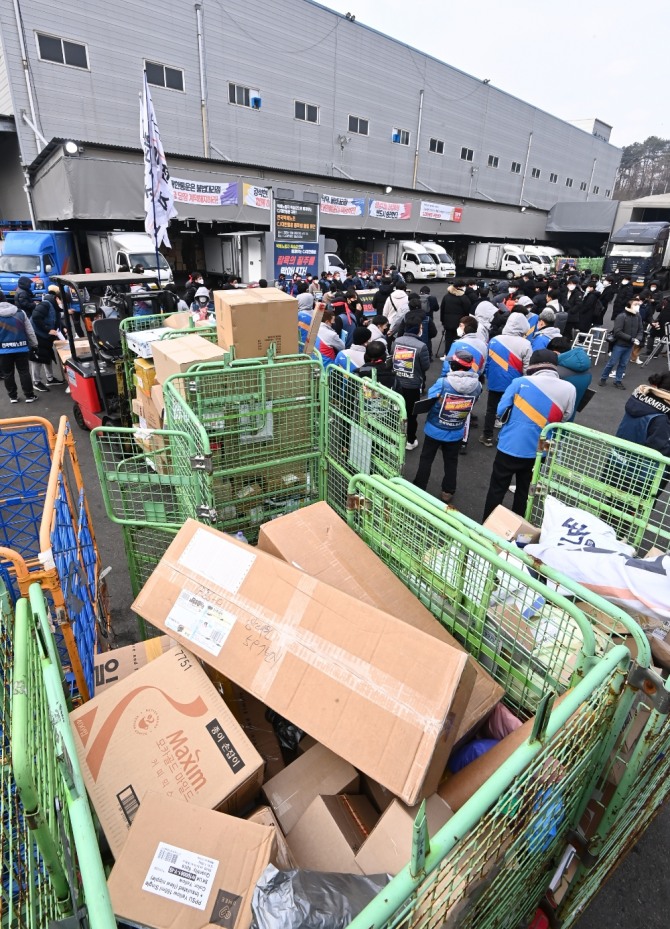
[27, 897]
[489, 867]
[622, 814]
[134, 326]
[257, 427]
[25, 462]
[47, 775]
[633, 781]
[623, 483]
[365, 427]
[529, 637]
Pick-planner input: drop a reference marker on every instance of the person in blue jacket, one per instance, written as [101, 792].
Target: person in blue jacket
[527, 406]
[574, 366]
[16, 340]
[455, 394]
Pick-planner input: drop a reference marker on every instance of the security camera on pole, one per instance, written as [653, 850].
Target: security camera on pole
[159, 206]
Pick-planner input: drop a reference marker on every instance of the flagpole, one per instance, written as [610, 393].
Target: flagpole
[153, 180]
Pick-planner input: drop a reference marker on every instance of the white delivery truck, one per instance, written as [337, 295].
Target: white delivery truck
[121, 251]
[493, 258]
[539, 259]
[410, 258]
[445, 264]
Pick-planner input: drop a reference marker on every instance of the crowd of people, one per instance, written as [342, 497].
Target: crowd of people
[512, 343]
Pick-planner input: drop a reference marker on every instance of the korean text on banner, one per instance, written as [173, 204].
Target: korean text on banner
[449, 214]
[258, 197]
[382, 209]
[206, 193]
[159, 206]
[296, 258]
[343, 206]
[296, 221]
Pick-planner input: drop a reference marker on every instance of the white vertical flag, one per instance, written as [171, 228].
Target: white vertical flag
[159, 206]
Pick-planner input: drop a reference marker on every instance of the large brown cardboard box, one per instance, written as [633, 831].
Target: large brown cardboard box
[383, 695]
[252, 320]
[188, 868]
[388, 847]
[316, 540]
[119, 663]
[330, 832]
[164, 728]
[281, 858]
[173, 356]
[318, 771]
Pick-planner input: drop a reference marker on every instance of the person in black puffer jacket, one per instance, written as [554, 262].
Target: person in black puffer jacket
[382, 294]
[455, 305]
[44, 320]
[628, 332]
[24, 298]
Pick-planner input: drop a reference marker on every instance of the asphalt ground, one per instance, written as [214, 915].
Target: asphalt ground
[638, 894]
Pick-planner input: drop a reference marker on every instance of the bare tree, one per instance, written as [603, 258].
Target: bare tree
[644, 169]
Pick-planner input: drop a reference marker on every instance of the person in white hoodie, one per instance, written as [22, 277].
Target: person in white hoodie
[484, 313]
[396, 306]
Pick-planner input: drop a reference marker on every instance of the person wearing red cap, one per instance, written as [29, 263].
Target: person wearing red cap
[446, 425]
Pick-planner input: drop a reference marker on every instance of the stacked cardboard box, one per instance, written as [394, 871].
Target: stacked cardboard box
[382, 696]
[253, 320]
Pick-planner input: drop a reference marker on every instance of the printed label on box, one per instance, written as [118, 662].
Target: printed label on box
[180, 875]
[225, 910]
[224, 745]
[231, 564]
[200, 621]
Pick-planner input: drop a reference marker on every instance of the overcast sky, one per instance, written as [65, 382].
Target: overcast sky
[600, 59]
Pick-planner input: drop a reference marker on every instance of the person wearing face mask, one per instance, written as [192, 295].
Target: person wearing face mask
[200, 305]
[628, 332]
[468, 340]
[573, 305]
[623, 295]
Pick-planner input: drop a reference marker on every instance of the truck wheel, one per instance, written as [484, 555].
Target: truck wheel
[510, 275]
[79, 417]
[409, 277]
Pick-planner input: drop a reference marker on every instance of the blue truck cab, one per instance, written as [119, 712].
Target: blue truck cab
[38, 255]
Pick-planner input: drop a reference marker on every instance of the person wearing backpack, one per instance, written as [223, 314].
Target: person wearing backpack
[16, 340]
[455, 393]
[410, 362]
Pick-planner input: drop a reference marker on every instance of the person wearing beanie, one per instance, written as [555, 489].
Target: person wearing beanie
[454, 306]
[446, 426]
[508, 359]
[17, 338]
[546, 330]
[627, 332]
[352, 358]
[574, 365]
[530, 403]
[554, 303]
[410, 362]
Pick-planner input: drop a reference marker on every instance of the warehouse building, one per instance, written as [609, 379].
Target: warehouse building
[258, 99]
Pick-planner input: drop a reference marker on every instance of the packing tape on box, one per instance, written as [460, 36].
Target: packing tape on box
[206, 616]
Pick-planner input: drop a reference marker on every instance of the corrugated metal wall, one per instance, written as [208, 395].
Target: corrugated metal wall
[292, 50]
